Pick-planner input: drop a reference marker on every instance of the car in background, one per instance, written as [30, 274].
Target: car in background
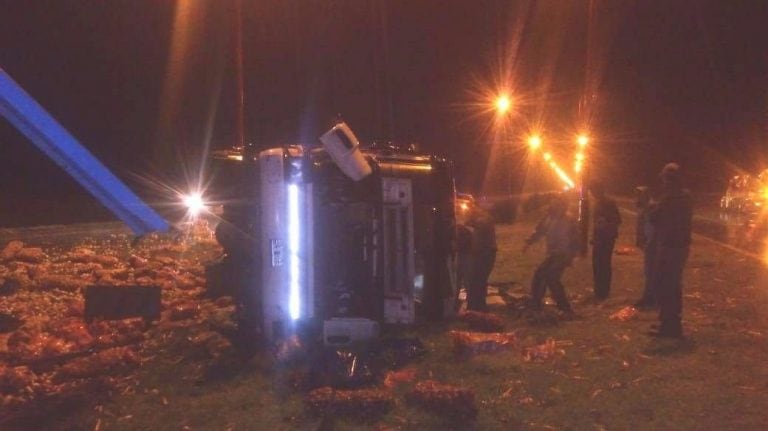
[746, 193]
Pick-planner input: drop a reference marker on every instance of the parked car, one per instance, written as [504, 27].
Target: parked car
[746, 193]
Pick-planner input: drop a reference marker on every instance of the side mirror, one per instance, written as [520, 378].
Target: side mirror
[344, 148]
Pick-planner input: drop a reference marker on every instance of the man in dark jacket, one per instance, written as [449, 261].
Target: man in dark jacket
[606, 221]
[671, 220]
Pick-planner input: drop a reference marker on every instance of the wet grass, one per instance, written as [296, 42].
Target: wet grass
[611, 376]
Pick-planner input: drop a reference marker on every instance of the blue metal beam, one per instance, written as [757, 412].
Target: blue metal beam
[21, 110]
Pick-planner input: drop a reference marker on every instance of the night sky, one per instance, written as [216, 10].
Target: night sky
[147, 84]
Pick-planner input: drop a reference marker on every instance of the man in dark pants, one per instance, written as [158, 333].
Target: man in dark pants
[483, 257]
[464, 261]
[646, 241]
[671, 220]
[561, 233]
[606, 221]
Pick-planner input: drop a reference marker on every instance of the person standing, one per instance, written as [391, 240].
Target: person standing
[646, 241]
[606, 221]
[483, 257]
[672, 220]
[561, 233]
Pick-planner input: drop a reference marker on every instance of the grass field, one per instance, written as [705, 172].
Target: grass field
[610, 376]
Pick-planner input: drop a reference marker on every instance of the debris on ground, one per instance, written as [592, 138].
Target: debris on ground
[31, 255]
[362, 403]
[185, 310]
[10, 250]
[115, 360]
[51, 356]
[543, 352]
[395, 378]
[482, 322]
[625, 314]
[345, 368]
[60, 282]
[625, 251]
[466, 344]
[444, 400]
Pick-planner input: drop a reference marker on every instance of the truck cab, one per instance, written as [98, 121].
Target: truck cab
[306, 244]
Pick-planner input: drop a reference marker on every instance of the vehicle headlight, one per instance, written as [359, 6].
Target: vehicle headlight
[194, 203]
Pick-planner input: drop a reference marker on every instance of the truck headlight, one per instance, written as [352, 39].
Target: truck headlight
[194, 203]
[294, 244]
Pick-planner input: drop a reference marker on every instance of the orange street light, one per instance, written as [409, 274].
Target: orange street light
[582, 140]
[547, 156]
[579, 157]
[503, 103]
[534, 142]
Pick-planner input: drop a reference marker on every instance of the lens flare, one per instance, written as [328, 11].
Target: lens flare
[503, 103]
[534, 142]
[194, 203]
[563, 176]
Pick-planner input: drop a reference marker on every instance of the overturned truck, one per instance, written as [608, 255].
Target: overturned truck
[337, 239]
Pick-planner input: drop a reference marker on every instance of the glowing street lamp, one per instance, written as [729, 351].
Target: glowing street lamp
[534, 142]
[503, 104]
[578, 165]
[547, 156]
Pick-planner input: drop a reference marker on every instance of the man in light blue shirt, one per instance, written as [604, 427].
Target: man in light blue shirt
[561, 233]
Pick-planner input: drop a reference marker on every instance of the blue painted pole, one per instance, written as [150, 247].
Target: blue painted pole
[21, 110]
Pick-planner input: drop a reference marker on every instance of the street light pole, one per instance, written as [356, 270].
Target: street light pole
[580, 167]
[503, 105]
